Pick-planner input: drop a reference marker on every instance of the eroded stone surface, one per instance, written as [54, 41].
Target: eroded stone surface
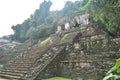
[88, 57]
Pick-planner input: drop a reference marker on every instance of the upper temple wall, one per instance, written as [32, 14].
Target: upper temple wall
[77, 21]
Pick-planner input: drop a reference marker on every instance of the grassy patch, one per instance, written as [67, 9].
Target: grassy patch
[58, 78]
[12, 46]
[1, 65]
[44, 42]
[65, 36]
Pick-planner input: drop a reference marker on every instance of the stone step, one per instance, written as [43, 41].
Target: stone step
[20, 62]
[12, 73]
[86, 61]
[30, 56]
[10, 77]
[15, 71]
[14, 68]
[18, 66]
[29, 59]
[26, 65]
[100, 52]
[92, 57]
[96, 55]
[103, 49]
[25, 60]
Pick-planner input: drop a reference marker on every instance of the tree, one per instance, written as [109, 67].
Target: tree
[42, 12]
[38, 18]
[106, 13]
[16, 30]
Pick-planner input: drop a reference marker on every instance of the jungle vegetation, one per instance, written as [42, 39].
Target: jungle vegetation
[105, 14]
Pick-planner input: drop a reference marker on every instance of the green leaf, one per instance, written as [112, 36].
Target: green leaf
[111, 77]
[112, 70]
[108, 77]
[118, 63]
[118, 70]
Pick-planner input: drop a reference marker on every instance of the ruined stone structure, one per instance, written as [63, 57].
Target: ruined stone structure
[35, 62]
[86, 53]
[88, 56]
[76, 21]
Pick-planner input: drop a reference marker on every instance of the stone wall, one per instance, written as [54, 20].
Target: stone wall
[88, 57]
[76, 21]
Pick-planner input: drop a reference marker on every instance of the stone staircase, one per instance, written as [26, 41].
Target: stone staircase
[35, 61]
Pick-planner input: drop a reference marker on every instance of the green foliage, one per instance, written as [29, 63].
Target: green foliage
[65, 36]
[44, 42]
[1, 65]
[30, 28]
[111, 77]
[105, 13]
[43, 22]
[58, 78]
[112, 74]
[71, 9]
[43, 12]
[32, 33]
[12, 46]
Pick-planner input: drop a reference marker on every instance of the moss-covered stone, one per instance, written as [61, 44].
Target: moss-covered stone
[45, 42]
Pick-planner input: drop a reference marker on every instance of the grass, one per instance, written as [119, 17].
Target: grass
[58, 78]
[1, 65]
[12, 46]
[44, 42]
[65, 36]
